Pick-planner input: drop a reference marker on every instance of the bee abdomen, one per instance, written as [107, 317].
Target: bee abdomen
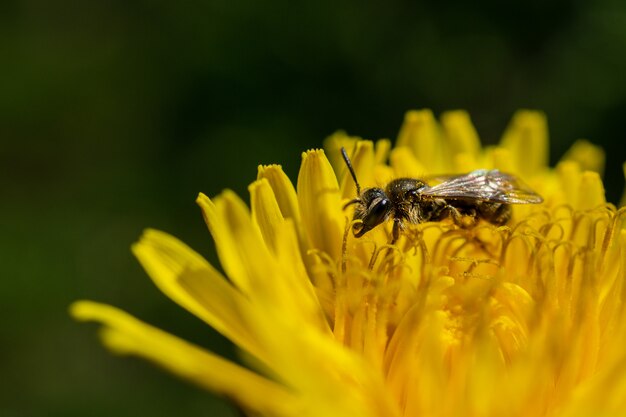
[497, 214]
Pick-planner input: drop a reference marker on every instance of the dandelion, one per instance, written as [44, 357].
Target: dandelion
[527, 319]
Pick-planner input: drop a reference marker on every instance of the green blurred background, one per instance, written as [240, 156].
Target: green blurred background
[114, 115]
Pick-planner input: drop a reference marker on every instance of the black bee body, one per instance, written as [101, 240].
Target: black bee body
[481, 194]
[409, 205]
[403, 201]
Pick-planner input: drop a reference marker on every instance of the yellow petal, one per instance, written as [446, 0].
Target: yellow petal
[604, 396]
[171, 264]
[332, 379]
[463, 162]
[247, 260]
[406, 165]
[383, 174]
[320, 204]
[420, 132]
[333, 145]
[283, 190]
[591, 194]
[589, 156]
[570, 177]
[287, 201]
[293, 292]
[382, 148]
[503, 160]
[125, 334]
[460, 133]
[362, 159]
[526, 138]
[297, 291]
[239, 244]
[265, 211]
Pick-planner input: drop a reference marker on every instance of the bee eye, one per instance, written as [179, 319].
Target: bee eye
[375, 215]
[377, 212]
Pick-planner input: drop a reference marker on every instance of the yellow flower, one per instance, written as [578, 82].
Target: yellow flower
[527, 319]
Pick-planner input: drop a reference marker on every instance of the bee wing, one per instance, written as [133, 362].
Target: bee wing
[485, 185]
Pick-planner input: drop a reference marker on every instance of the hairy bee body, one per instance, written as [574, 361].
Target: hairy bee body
[466, 199]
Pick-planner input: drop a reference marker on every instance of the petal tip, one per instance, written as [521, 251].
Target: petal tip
[255, 185]
[264, 169]
[81, 310]
[413, 116]
[201, 198]
[312, 153]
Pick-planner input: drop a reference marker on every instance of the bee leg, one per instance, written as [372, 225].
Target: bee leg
[466, 222]
[501, 214]
[395, 232]
[461, 220]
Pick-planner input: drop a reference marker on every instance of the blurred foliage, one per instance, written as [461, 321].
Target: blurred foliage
[113, 115]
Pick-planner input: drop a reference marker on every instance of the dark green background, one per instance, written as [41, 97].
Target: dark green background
[113, 115]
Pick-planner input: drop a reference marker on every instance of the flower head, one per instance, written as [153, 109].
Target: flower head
[527, 319]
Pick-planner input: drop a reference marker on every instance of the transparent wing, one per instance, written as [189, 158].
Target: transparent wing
[485, 185]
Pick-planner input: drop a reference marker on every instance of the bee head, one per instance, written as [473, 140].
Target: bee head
[372, 208]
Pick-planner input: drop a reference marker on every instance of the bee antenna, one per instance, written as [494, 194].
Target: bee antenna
[349, 164]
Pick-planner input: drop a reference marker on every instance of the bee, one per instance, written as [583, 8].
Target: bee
[467, 198]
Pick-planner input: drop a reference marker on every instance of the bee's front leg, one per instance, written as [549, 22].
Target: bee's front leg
[395, 232]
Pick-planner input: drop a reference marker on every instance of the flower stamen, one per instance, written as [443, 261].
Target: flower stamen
[339, 325]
